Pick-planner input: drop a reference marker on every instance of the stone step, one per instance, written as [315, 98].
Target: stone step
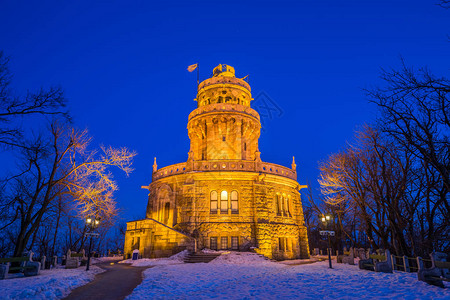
[200, 257]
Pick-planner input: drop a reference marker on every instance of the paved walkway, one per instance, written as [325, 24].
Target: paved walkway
[117, 282]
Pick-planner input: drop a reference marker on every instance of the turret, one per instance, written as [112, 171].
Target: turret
[224, 126]
[224, 87]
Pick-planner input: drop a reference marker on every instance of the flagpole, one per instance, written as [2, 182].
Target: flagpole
[198, 74]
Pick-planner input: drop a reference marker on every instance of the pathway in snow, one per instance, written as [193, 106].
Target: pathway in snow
[116, 282]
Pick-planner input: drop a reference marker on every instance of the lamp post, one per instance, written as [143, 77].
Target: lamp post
[91, 223]
[325, 220]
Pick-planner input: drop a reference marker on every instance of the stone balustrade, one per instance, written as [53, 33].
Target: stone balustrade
[169, 170]
[224, 107]
[225, 165]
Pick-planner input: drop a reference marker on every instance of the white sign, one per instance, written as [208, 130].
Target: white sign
[93, 234]
[326, 232]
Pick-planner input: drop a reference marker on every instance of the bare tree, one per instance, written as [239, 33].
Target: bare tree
[64, 166]
[444, 3]
[416, 112]
[13, 107]
[371, 175]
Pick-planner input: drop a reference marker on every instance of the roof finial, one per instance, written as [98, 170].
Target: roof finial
[294, 166]
[155, 166]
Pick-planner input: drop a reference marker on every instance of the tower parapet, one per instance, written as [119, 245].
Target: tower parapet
[224, 87]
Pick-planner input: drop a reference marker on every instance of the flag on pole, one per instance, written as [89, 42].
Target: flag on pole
[192, 67]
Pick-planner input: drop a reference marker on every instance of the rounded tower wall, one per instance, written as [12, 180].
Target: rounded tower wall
[224, 126]
[224, 131]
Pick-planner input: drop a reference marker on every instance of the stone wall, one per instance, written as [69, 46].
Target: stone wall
[257, 223]
[154, 239]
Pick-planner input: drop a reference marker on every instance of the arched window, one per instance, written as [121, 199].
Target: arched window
[279, 205]
[282, 208]
[213, 199]
[286, 205]
[223, 202]
[234, 202]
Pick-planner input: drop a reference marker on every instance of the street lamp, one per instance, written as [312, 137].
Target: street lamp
[325, 220]
[91, 223]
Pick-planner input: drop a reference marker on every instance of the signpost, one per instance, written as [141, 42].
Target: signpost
[328, 233]
[92, 234]
[91, 223]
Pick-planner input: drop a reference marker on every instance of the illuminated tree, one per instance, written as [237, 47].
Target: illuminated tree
[62, 165]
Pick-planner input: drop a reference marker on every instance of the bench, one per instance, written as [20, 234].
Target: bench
[377, 262]
[22, 264]
[347, 258]
[361, 253]
[439, 271]
[73, 259]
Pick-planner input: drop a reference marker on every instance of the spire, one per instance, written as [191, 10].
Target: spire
[155, 166]
[294, 166]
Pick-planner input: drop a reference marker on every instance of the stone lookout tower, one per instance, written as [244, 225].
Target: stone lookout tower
[223, 196]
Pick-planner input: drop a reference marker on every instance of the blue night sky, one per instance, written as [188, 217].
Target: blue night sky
[123, 66]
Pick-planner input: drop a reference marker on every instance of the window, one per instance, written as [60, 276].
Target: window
[235, 243]
[213, 243]
[278, 205]
[234, 202]
[288, 244]
[224, 202]
[286, 205]
[213, 202]
[224, 242]
[281, 244]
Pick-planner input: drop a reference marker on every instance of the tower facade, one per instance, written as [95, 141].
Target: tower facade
[223, 196]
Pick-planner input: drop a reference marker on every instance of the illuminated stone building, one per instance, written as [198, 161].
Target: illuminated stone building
[223, 196]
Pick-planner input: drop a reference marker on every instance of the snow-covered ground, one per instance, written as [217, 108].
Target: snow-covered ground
[248, 276]
[50, 284]
[146, 262]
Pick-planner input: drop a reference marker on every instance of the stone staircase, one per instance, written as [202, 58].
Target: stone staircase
[199, 257]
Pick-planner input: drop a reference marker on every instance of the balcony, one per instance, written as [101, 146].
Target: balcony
[225, 165]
